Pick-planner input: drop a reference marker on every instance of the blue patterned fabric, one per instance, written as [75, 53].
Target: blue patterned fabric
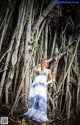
[38, 84]
[37, 101]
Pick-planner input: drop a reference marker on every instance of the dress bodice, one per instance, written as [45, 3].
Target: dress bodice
[43, 73]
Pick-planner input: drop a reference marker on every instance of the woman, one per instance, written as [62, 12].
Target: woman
[37, 103]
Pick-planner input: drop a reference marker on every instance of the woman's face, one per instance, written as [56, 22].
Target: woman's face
[45, 63]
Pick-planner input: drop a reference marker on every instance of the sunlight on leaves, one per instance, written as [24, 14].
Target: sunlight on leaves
[54, 124]
[43, 124]
[23, 122]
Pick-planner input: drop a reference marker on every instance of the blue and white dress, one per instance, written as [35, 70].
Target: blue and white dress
[37, 102]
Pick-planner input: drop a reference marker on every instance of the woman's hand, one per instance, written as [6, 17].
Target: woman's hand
[37, 69]
[49, 82]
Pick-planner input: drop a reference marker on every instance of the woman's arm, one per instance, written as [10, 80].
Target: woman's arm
[49, 77]
[37, 69]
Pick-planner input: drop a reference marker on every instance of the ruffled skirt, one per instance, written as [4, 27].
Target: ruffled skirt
[37, 101]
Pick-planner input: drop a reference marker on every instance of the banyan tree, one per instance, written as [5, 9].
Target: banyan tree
[28, 30]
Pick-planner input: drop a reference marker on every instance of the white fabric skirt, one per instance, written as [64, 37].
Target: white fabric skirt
[37, 101]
